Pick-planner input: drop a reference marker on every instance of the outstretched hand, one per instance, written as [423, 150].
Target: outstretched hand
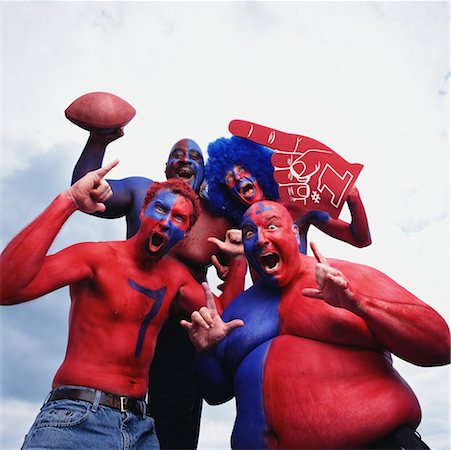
[206, 328]
[332, 284]
[90, 192]
[232, 244]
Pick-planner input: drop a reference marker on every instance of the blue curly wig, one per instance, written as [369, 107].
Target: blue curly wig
[227, 152]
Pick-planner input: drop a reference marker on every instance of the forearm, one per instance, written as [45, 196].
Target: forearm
[90, 159]
[213, 383]
[234, 283]
[359, 222]
[23, 257]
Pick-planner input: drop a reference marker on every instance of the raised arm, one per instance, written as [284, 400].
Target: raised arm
[356, 233]
[26, 270]
[404, 324]
[123, 200]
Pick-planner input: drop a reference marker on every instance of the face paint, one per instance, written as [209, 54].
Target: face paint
[243, 185]
[270, 242]
[165, 221]
[186, 163]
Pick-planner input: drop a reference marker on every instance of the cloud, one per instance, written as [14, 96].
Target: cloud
[369, 79]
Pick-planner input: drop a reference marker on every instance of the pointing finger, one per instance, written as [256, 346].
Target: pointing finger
[105, 169]
[318, 255]
[209, 296]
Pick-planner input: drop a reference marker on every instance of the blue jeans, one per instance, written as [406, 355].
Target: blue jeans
[77, 425]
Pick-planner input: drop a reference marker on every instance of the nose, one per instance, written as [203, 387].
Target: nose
[164, 224]
[262, 240]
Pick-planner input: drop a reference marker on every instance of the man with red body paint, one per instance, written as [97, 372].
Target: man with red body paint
[121, 293]
[173, 401]
[311, 368]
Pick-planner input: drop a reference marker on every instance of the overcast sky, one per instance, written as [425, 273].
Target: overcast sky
[368, 79]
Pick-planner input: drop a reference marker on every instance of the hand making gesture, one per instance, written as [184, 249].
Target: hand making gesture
[90, 192]
[333, 286]
[207, 328]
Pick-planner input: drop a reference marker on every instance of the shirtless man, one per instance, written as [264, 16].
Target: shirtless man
[121, 293]
[240, 173]
[174, 402]
[311, 368]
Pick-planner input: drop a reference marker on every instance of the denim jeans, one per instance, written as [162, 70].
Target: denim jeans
[76, 424]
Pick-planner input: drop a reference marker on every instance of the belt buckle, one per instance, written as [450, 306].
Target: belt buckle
[123, 403]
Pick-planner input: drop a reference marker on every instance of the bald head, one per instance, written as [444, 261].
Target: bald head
[186, 162]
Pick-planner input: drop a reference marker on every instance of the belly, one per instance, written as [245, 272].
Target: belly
[318, 395]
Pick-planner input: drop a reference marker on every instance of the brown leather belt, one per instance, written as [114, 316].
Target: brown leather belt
[123, 404]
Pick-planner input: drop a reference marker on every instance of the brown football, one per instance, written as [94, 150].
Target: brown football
[100, 110]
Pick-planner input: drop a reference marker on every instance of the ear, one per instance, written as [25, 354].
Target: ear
[295, 230]
[141, 214]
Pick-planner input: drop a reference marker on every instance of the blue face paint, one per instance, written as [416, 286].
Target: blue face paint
[166, 211]
[252, 250]
[186, 162]
[243, 185]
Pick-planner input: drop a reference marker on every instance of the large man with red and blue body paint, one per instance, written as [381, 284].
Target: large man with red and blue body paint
[311, 367]
[174, 402]
[121, 293]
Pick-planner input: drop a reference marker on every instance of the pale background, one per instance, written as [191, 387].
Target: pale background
[369, 79]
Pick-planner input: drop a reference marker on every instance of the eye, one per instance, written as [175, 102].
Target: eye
[240, 169]
[194, 155]
[160, 209]
[179, 218]
[228, 178]
[248, 233]
[272, 227]
[177, 154]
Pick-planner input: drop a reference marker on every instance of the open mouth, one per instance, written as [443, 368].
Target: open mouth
[270, 262]
[247, 190]
[185, 172]
[156, 242]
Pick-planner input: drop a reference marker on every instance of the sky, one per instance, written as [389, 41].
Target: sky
[368, 79]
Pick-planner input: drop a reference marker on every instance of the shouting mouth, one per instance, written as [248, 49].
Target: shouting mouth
[185, 173]
[247, 190]
[270, 262]
[157, 241]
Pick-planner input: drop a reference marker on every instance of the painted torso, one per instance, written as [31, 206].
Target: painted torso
[124, 307]
[300, 367]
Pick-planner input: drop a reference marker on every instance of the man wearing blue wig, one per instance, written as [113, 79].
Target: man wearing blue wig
[239, 173]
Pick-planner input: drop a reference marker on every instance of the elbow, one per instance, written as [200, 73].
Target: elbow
[215, 399]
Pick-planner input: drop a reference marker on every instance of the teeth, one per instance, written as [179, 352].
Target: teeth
[185, 172]
[247, 190]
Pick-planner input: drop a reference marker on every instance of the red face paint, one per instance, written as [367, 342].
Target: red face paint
[270, 242]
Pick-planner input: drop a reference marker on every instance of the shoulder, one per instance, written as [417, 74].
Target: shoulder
[96, 250]
[368, 279]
